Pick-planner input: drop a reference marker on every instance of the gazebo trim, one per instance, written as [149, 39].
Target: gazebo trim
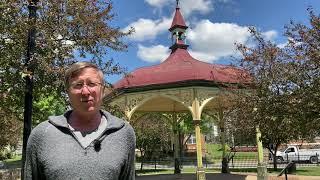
[188, 83]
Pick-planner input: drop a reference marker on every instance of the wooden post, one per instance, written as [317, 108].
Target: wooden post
[196, 114]
[262, 173]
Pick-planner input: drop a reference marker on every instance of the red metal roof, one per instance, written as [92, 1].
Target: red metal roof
[178, 20]
[180, 66]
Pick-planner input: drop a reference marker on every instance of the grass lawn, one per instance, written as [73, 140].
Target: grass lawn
[303, 171]
[215, 153]
[171, 171]
[308, 171]
[15, 162]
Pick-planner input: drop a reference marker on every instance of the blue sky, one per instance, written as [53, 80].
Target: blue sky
[214, 27]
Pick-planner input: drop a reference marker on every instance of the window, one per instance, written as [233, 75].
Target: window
[192, 140]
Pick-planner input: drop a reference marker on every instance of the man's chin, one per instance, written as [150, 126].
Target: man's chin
[88, 110]
[91, 109]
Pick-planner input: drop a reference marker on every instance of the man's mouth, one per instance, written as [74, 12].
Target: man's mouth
[86, 100]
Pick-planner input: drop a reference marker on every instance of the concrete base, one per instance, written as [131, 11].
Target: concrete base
[201, 174]
[262, 173]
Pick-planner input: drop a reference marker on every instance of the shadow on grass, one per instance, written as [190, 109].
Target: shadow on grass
[192, 176]
[151, 171]
[12, 164]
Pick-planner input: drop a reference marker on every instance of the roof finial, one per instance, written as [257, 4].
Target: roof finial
[177, 3]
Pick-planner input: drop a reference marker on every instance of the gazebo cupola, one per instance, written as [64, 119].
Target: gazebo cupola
[178, 30]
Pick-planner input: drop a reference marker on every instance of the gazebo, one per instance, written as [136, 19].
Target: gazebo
[181, 83]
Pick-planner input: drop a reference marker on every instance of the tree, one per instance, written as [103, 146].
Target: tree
[10, 129]
[304, 49]
[66, 30]
[223, 107]
[48, 105]
[152, 136]
[186, 127]
[283, 98]
[267, 105]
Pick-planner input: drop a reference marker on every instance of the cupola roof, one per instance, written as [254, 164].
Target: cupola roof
[180, 68]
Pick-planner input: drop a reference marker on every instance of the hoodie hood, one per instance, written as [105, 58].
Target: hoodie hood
[62, 120]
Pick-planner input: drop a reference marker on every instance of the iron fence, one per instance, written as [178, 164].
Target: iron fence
[244, 162]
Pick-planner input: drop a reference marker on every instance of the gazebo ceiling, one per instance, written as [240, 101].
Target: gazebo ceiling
[161, 104]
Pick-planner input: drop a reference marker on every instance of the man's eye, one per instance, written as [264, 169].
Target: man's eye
[78, 85]
[92, 84]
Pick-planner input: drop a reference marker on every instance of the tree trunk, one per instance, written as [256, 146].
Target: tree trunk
[142, 159]
[275, 165]
[225, 161]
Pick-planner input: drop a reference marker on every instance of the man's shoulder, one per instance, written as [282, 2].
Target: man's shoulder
[117, 122]
[43, 126]
[38, 132]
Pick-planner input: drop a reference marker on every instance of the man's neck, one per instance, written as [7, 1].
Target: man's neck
[85, 122]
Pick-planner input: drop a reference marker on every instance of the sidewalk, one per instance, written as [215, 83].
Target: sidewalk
[219, 176]
[14, 174]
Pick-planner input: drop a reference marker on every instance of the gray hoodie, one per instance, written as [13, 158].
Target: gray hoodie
[54, 153]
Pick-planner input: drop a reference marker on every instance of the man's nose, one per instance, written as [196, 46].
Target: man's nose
[85, 90]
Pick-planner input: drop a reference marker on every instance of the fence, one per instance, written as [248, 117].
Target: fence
[238, 162]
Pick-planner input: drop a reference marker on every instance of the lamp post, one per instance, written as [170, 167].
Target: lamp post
[28, 76]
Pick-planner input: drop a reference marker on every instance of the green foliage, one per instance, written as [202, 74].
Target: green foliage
[64, 31]
[47, 106]
[284, 99]
[7, 152]
[214, 151]
[10, 130]
[186, 124]
[152, 135]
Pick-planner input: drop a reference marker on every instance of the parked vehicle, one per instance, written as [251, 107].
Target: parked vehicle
[293, 153]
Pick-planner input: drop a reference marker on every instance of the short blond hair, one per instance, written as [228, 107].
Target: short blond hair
[75, 69]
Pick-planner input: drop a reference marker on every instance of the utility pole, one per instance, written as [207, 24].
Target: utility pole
[28, 76]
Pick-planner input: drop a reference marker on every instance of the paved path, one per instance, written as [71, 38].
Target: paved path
[219, 176]
[216, 176]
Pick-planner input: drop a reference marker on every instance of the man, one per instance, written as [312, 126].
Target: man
[86, 142]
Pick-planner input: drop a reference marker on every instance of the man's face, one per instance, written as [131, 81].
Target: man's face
[86, 91]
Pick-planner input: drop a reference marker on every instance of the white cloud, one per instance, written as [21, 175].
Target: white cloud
[201, 6]
[157, 3]
[282, 45]
[225, 1]
[208, 41]
[153, 54]
[270, 35]
[187, 6]
[211, 41]
[147, 29]
[203, 56]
